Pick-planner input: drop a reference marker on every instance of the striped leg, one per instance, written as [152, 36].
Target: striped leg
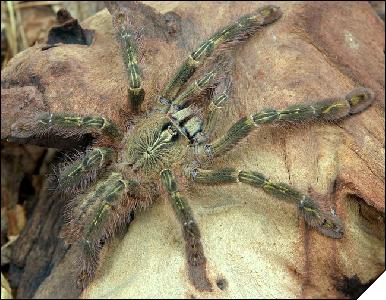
[219, 99]
[331, 109]
[65, 124]
[191, 233]
[93, 216]
[189, 118]
[226, 37]
[325, 222]
[129, 50]
[80, 172]
[194, 89]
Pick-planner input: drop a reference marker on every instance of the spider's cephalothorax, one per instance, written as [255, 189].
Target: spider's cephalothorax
[174, 141]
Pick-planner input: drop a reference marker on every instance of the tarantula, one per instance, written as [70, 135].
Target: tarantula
[173, 142]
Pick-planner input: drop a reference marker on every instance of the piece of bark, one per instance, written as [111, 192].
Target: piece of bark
[18, 165]
[255, 244]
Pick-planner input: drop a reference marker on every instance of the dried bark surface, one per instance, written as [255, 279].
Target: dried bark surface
[255, 244]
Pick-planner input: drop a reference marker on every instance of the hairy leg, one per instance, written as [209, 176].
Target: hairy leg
[93, 217]
[325, 222]
[219, 98]
[330, 109]
[126, 39]
[224, 38]
[79, 173]
[65, 124]
[191, 233]
[194, 89]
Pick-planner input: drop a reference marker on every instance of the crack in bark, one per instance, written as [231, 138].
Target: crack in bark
[286, 162]
[366, 163]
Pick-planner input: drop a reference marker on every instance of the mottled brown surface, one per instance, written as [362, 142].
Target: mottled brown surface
[316, 50]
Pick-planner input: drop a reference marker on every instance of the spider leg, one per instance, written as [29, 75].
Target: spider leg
[65, 124]
[194, 89]
[330, 109]
[191, 233]
[210, 78]
[93, 217]
[77, 175]
[325, 222]
[224, 38]
[125, 37]
[219, 98]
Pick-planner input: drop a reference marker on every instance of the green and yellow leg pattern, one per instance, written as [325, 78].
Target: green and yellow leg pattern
[331, 109]
[325, 222]
[191, 233]
[125, 37]
[80, 172]
[65, 124]
[226, 37]
[94, 216]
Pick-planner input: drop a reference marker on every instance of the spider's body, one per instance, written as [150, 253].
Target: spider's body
[154, 144]
[172, 141]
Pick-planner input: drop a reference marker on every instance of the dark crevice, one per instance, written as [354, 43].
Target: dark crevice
[33, 80]
[26, 189]
[372, 220]
[68, 31]
[352, 287]
[49, 47]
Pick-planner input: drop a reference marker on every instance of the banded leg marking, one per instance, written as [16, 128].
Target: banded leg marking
[73, 176]
[129, 50]
[191, 233]
[94, 217]
[194, 89]
[104, 201]
[65, 125]
[330, 109]
[326, 223]
[230, 36]
[219, 99]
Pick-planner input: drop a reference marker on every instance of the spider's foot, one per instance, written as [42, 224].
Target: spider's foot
[327, 223]
[359, 99]
[87, 262]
